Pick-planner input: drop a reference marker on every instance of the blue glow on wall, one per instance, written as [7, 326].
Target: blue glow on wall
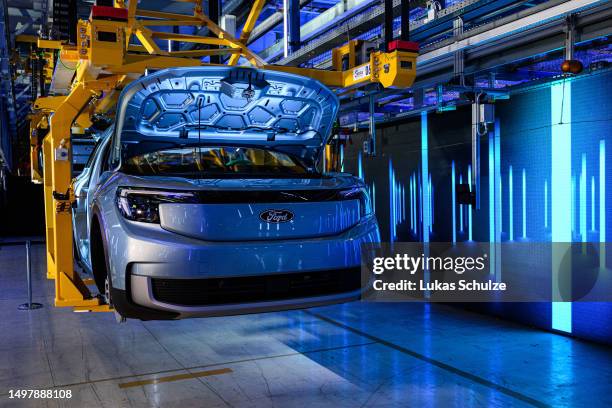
[545, 203]
[359, 166]
[536, 128]
[510, 204]
[592, 203]
[524, 204]
[561, 198]
[468, 208]
[426, 204]
[602, 203]
[492, 184]
[460, 207]
[453, 202]
[583, 200]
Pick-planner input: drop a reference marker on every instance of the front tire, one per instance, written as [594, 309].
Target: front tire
[98, 257]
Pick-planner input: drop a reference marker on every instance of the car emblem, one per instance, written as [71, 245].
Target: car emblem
[276, 216]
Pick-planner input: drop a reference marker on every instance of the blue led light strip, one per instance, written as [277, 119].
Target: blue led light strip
[583, 200]
[602, 203]
[469, 207]
[511, 204]
[524, 204]
[359, 166]
[460, 207]
[592, 203]
[425, 203]
[391, 203]
[545, 203]
[454, 202]
[561, 189]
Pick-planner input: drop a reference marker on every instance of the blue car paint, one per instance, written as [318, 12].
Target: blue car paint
[229, 240]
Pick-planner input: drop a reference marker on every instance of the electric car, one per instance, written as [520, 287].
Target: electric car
[208, 197]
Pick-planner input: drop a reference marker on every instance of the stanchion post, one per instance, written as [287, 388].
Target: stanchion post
[29, 305]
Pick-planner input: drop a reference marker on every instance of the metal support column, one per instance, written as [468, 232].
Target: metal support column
[214, 10]
[372, 135]
[476, 124]
[405, 20]
[294, 25]
[388, 28]
[459, 57]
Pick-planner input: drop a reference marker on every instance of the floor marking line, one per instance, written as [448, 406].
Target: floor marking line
[436, 363]
[246, 360]
[177, 377]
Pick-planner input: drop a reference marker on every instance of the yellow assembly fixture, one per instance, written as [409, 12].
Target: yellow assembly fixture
[105, 60]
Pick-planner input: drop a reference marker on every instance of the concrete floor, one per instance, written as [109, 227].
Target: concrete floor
[351, 355]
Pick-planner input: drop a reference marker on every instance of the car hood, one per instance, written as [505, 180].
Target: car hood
[225, 105]
[335, 181]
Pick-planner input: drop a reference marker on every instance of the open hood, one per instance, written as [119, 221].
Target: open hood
[227, 105]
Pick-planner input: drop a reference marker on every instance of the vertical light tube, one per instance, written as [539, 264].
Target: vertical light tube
[431, 206]
[491, 189]
[573, 205]
[341, 157]
[460, 207]
[524, 204]
[425, 191]
[403, 196]
[412, 223]
[511, 204]
[453, 202]
[374, 197]
[359, 166]
[545, 203]
[498, 202]
[468, 208]
[602, 203]
[425, 172]
[592, 203]
[583, 200]
[561, 189]
[391, 203]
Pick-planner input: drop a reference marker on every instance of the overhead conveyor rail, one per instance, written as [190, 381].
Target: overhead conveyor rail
[352, 24]
[535, 31]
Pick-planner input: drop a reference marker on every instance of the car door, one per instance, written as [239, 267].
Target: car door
[79, 211]
[83, 186]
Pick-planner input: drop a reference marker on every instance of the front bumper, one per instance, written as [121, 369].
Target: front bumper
[145, 253]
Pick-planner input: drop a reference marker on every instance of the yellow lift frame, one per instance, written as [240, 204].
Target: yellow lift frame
[105, 66]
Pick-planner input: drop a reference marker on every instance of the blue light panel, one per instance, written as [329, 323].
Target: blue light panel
[469, 207]
[425, 171]
[561, 194]
[511, 204]
[602, 203]
[583, 200]
[524, 204]
[453, 202]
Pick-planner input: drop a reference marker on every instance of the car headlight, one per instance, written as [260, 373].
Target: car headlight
[361, 194]
[143, 205]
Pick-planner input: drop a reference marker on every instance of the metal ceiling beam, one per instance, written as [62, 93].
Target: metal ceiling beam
[514, 38]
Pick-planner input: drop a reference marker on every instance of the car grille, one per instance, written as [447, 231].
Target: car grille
[249, 289]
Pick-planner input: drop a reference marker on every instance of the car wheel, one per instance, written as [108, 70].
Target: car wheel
[98, 257]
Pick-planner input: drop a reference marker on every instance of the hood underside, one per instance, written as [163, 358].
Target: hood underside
[226, 105]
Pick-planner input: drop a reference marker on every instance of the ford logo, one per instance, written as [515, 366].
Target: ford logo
[276, 216]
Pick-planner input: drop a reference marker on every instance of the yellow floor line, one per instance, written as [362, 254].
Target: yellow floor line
[177, 377]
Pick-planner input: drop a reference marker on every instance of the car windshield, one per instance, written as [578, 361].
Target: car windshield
[207, 161]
